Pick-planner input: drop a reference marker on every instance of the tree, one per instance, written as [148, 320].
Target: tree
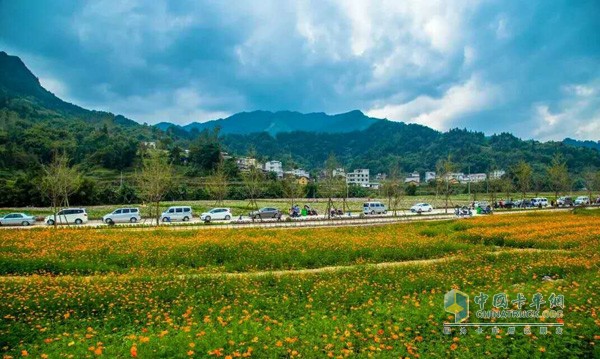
[523, 172]
[392, 189]
[558, 174]
[591, 177]
[155, 179]
[444, 170]
[253, 180]
[292, 189]
[216, 184]
[331, 186]
[59, 181]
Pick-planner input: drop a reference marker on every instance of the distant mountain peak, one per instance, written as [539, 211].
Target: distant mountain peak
[282, 122]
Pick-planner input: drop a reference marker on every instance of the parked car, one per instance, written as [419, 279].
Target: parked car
[17, 219]
[421, 207]
[539, 201]
[177, 213]
[122, 215]
[582, 200]
[68, 216]
[523, 203]
[216, 214]
[374, 208]
[266, 212]
[564, 201]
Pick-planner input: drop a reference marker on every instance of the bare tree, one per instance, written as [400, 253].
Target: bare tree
[216, 184]
[523, 173]
[330, 185]
[591, 177]
[558, 175]
[392, 189]
[444, 169]
[59, 182]
[292, 189]
[253, 180]
[154, 180]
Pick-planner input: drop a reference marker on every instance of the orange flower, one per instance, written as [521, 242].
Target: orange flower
[133, 351]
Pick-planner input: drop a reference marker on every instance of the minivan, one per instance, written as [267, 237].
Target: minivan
[122, 215]
[374, 208]
[177, 213]
[539, 202]
[68, 216]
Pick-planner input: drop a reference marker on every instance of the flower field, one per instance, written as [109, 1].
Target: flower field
[181, 294]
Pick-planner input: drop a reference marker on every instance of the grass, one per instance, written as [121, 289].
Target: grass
[166, 294]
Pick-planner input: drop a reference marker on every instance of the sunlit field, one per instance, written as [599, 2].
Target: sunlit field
[309, 293]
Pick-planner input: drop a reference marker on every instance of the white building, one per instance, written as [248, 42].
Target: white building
[245, 163]
[476, 177]
[497, 174]
[339, 172]
[413, 178]
[380, 177]
[274, 166]
[299, 172]
[358, 177]
[429, 176]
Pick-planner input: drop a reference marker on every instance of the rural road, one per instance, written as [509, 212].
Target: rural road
[353, 219]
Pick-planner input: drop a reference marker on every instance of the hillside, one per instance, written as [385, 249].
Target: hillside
[282, 121]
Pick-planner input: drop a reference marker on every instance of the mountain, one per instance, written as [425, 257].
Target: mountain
[18, 86]
[281, 121]
[577, 143]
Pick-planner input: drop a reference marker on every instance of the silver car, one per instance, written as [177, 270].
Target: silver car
[17, 219]
[123, 215]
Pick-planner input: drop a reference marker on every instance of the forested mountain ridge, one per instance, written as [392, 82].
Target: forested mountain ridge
[413, 147]
[282, 121]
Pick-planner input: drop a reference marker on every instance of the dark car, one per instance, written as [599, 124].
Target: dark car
[266, 212]
[565, 201]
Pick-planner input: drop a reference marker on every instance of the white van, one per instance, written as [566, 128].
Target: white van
[123, 215]
[374, 208]
[177, 213]
[68, 216]
[539, 201]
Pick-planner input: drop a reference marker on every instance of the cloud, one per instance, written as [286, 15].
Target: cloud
[443, 112]
[484, 64]
[577, 115]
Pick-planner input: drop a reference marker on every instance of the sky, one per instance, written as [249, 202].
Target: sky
[527, 67]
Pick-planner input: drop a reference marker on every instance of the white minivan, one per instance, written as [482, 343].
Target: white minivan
[374, 208]
[177, 213]
[123, 215]
[539, 201]
[68, 216]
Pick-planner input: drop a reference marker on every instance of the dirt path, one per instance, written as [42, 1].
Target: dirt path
[282, 272]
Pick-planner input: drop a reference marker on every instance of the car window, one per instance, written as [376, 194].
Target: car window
[171, 210]
[118, 211]
[178, 210]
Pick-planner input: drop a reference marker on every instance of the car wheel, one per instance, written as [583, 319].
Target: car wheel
[78, 221]
[430, 209]
[132, 220]
[372, 212]
[227, 217]
[109, 221]
[50, 222]
[185, 219]
[25, 223]
[207, 219]
[165, 219]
